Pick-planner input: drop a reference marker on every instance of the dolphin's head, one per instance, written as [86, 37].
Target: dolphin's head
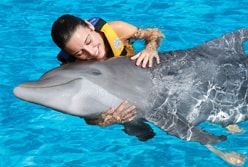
[87, 89]
[67, 89]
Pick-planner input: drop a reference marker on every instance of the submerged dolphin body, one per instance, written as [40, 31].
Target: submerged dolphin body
[205, 83]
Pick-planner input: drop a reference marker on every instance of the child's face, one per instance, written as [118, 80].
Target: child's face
[86, 44]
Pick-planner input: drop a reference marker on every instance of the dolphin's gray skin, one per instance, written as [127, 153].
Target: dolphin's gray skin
[205, 83]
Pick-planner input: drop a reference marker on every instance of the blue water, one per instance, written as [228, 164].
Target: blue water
[33, 135]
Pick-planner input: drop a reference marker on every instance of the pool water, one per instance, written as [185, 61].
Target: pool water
[32, 135]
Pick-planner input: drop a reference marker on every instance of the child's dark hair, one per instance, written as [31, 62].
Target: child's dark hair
[63, 28]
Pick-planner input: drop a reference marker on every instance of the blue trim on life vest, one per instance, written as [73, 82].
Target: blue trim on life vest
[94, 20]
[64, 57]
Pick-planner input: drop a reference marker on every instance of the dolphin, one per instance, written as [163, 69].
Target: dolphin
[205, 83]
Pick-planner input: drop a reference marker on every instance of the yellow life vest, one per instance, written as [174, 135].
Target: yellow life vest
[117, 47]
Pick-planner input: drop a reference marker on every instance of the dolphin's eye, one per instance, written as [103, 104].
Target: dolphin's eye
[96, 72]
[92, 71]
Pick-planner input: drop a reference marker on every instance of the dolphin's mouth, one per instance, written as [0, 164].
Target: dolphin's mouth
[46, 84]
[44, 89]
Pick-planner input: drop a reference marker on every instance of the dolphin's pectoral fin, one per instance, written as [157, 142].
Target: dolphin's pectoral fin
[177, 125]
[139, 129]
